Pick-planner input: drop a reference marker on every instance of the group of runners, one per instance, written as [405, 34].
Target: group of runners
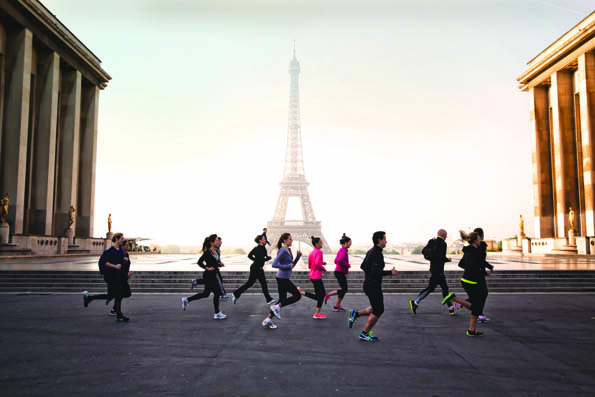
[115, 264]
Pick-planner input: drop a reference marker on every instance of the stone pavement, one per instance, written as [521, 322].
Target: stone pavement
[537, 344]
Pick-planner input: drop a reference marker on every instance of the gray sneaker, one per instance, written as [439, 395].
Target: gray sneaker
[219, 316]
[184, 304]
[276, 309]
[269, 324]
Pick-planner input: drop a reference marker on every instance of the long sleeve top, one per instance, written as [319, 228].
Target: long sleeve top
[474, 264]
[439, 256]
[285, 262]
[258, 256]
[373, 265]
[483, 247]
[342, 261]
[208, 260]
[315, 264]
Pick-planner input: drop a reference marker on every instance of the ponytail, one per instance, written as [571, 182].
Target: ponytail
[469, 237]
[282, 239]
[344, 239]
[206, 245]
[315, 240]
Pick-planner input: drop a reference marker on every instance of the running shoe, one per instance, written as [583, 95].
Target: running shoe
[269, 324]
[451, 312]
[122, 318]
[184, 304]
[448, 298]
[224, 297]
[338, 308]
[276, 309]
[326, 298]
[219, 316]
[319, 316]
[413, 307]
[235, 300]
[272, 301]
[484, 319]
[113, 312]
[367, 337]
[458, 307]
[86, 300]
[474, 333]
[352, 318]
[194, 284]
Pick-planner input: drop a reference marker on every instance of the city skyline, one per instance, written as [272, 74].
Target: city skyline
[396, 96]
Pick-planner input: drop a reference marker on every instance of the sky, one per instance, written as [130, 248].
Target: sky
[411, 115]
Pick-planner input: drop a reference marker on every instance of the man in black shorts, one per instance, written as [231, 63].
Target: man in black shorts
[373, 267]
[110, 264]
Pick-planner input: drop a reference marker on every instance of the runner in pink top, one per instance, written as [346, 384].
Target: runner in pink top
[316, 265]
[341, 271]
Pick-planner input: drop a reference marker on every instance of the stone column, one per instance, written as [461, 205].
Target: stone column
[541, 158]
[44, 158]
[13, 154]
[586, 88]
[565, 169]
[68, 148]
[88, 155]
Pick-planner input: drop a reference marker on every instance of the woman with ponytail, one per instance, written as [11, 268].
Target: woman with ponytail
[316, 266]
[341, 271]
[285, 263]
[473, 280]
[209, 261]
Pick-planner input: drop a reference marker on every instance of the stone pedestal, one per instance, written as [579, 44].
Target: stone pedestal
[69, 233]
[108, 240]
[520, 239]
[4, 229]
[571, 238]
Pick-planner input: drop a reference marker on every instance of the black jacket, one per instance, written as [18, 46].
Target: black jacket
[208, 260]
[474, 263]
[259, 256]
[373, 265]
[438, 256]
[483, 247]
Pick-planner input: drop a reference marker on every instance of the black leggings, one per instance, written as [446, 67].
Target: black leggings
[256, 273]
[485, 292]
[211, 285]
[342, 279]
[285, 285]
[435, 280]
[319, 292]
[477, 297]
[114, 290]
[373, 291]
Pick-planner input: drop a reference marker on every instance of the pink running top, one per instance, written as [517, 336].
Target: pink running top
[315, 264]
[342, 261]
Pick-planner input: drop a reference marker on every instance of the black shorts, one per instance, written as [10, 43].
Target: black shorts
[373, 291]
[477, 297]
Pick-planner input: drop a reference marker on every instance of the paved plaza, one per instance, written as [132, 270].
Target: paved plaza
[537, 344]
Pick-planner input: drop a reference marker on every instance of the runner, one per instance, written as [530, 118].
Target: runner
[258, 256]
[341, 272]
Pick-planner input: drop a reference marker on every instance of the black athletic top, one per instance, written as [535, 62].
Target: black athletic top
[208, 260]
[125, 266]
[474, 264]
[483, 247]
[373, 265]
[259, 256]
[438, 256]
[112, 255]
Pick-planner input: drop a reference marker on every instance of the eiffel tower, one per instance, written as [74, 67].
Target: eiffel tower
[294, 182]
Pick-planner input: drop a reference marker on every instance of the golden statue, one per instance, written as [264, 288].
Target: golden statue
[522, 226]
[71, 212]
[571, 217]
[109, 223]
[4, 209]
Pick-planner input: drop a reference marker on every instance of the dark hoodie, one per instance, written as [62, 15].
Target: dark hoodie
[474, 263]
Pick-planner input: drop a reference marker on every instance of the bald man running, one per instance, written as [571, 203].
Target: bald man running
[437, 261]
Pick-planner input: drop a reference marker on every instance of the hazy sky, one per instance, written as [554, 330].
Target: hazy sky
[411, 115]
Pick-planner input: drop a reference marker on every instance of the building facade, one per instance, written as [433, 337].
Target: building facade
[560, 82]
[49, 92]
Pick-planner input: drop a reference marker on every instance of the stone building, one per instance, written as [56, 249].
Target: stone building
[560, 82]
[49, 92]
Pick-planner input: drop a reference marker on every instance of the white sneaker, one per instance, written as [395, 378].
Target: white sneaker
[184, 304]
[268, 323]
[271, 301]
[276, 309]
[219, 316]
[235, 300]
[484, 319]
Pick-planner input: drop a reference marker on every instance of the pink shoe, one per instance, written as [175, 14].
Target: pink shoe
[326, 298]
[319, 316]
[338, 308]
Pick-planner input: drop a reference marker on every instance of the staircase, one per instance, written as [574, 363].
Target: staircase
[410, 282]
